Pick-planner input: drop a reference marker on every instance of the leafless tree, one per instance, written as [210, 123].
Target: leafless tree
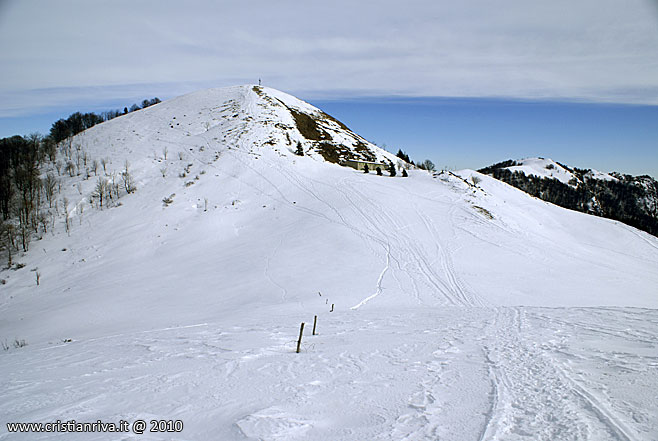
[128, 182]
[50, 187]
[101, 190]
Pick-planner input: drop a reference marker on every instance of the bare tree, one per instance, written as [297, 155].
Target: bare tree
[50, 187]
[8, 236]
[70, 168]
[44, 220]
[101, 190]
[67, 220]
[128, 182]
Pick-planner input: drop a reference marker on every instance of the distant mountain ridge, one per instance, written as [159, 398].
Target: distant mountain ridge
[629, 199]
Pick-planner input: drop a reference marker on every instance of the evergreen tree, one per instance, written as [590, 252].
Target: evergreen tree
[404, 173]
[366, 169]
[379, 171]
[402, 155]
[391, 169]
[300, 149]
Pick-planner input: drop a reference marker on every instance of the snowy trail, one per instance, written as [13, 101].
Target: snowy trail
[533, 396]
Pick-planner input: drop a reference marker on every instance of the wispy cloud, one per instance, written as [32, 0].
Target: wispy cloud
[74, 50]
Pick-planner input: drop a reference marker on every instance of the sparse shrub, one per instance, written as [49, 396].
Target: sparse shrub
[168, 200]
[19, 343]
[476, 180]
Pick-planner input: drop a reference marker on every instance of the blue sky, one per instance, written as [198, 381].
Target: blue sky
[472, 133]
[575, 81]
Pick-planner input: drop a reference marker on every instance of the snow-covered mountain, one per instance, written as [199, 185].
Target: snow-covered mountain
[450, 306]
[629, 199]
[547, 168]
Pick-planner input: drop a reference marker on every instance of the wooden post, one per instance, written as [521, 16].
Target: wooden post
[315, 323]
[299, 342]
[332, 308]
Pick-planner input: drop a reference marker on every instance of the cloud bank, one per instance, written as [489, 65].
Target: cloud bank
[73, 51]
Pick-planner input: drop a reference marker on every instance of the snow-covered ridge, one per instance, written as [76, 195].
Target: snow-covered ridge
[442, 299]
[547, 168]
[629, 199]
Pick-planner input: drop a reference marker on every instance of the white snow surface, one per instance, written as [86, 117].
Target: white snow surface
[547, 168]
[461, 312]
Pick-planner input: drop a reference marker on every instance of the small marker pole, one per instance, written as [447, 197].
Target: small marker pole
[332, 308]
[299, 342]
[315, 322]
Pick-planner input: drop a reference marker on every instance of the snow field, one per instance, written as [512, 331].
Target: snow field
[441, 373]
[462, 312]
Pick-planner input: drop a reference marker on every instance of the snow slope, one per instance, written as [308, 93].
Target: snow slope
[460, 311]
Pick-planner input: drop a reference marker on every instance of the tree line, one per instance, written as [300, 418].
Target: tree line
[78, 122]
[30, 171]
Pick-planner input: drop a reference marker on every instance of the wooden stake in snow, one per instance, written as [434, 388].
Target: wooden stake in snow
[332, 308]
[299, 342]
[315, 322]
